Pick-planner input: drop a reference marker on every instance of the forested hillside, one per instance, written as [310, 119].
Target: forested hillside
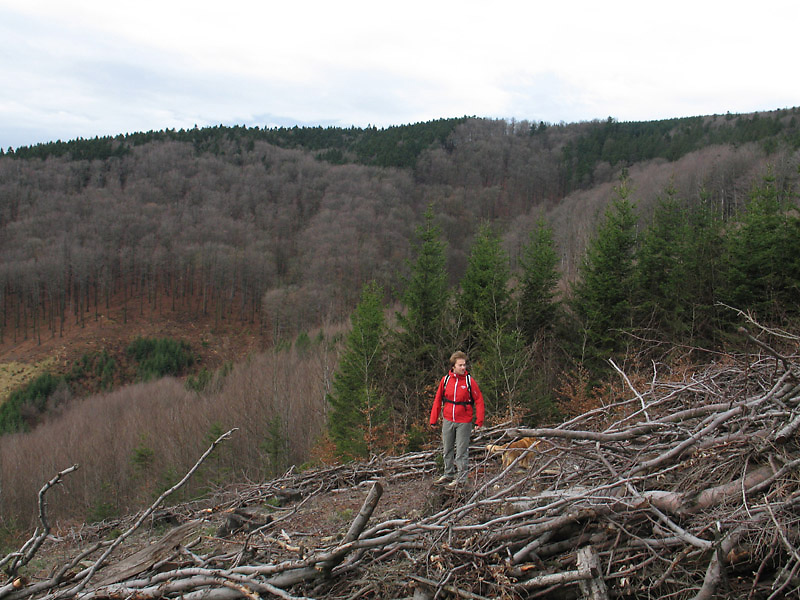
[236, 220]
[545, 250]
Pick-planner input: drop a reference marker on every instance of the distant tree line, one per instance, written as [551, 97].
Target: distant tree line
[395, 146]
[611, 142]
[626, 143]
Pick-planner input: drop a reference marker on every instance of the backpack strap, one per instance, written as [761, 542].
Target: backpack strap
[469, 389]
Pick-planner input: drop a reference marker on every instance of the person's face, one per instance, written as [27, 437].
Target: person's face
[460, 367]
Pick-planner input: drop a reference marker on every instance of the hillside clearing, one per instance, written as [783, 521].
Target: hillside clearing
[15, 374]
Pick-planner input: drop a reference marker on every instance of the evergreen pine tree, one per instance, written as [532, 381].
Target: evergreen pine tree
[502, 371]
[496, 349]
[418, 346]
[677, 273]
[484, 302]
[764, 253]
[539, 316]
[601, 299]
[660, 276]
[537, 306]
[359, 413]
[704, 260]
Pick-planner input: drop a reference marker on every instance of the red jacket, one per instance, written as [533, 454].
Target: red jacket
[457, 391]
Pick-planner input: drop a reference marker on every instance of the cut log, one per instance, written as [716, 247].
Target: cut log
[593, 586]
[243, 519]
[147, 557]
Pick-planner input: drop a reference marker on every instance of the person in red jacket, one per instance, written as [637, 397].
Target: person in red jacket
[456, 396]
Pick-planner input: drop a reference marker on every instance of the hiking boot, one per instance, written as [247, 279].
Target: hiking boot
[443, 479]
[455, 483]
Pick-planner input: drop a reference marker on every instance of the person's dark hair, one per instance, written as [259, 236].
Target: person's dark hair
[457, 355]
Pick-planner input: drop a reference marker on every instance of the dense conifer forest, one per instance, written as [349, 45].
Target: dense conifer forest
[361, 258]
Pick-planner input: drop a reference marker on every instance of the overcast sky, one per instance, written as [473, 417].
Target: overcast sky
[86, 68]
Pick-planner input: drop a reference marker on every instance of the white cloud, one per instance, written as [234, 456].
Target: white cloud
[84, 67]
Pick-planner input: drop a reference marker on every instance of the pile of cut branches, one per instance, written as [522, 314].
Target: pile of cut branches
[686, 487]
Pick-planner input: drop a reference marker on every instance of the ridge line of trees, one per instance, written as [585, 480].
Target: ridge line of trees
[611, 142]
[394, 146]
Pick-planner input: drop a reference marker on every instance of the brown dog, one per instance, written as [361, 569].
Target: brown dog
[509, 452]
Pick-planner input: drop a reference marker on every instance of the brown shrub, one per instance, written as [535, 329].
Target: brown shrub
[133, 443]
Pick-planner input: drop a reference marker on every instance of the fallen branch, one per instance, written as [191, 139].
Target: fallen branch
[24, 555]
[125, 535]
[448, 588]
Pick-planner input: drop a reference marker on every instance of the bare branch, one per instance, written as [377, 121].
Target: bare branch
[29, 549]
[101, 561]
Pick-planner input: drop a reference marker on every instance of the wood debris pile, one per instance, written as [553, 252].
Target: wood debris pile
[688, 488]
